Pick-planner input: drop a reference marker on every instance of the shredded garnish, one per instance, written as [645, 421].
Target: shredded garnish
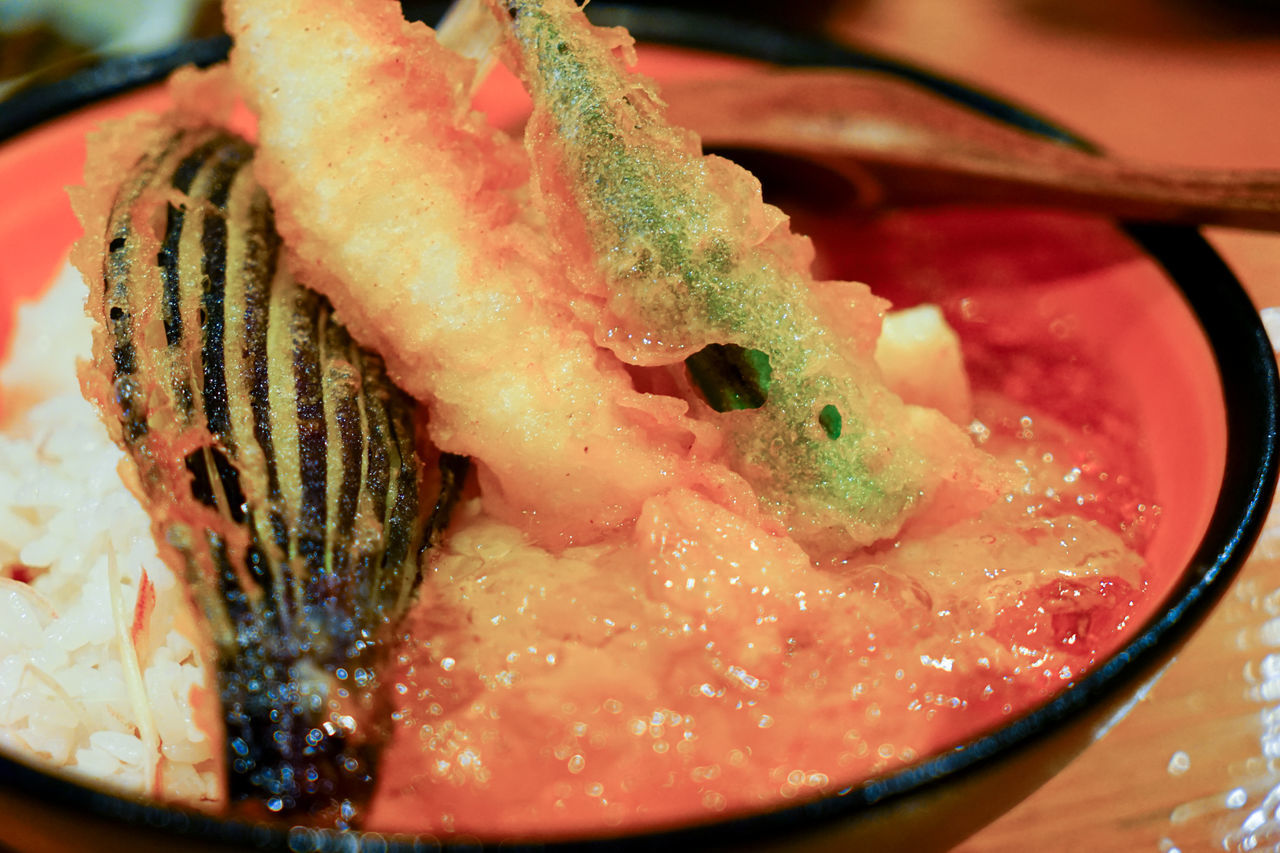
[134, 683]
[144, 604]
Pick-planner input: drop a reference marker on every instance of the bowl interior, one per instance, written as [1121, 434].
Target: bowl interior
[1070, 302]
[1065, 288]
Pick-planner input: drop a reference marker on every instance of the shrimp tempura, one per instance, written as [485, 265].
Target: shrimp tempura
[401, 206]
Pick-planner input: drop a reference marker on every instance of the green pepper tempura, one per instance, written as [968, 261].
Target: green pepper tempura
[682, 260]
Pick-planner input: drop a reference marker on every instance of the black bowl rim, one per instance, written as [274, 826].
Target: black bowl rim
[1247, 370]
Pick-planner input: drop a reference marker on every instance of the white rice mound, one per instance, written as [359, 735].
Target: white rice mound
[76, 692]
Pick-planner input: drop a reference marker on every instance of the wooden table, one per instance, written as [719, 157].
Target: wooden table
[1191, 82]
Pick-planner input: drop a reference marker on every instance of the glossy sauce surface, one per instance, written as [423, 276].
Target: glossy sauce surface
[697, 666]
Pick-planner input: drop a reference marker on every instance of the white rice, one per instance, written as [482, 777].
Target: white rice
[75, 691]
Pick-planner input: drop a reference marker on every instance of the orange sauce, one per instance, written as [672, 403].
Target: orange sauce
[694, 666]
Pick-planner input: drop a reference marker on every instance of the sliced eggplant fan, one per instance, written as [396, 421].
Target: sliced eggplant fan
[279, 464]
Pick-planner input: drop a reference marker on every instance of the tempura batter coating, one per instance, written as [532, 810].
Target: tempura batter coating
[415, 235]
[681, 253]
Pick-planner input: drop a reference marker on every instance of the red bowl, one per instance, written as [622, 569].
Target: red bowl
[1153, 309]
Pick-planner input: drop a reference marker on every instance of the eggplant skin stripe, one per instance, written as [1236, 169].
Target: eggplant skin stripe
[279, 465]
